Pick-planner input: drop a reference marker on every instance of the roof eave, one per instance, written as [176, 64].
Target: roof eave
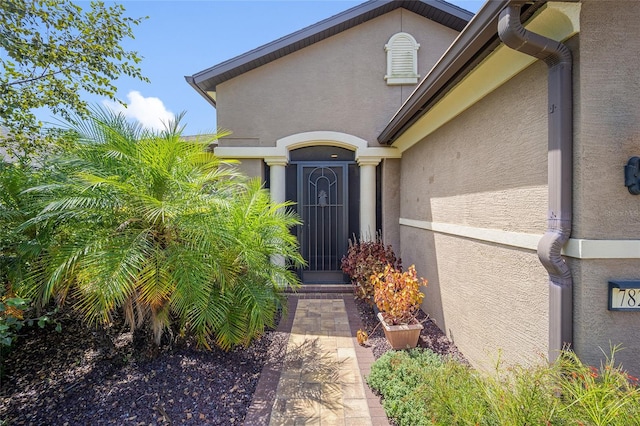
[192, 82]
[208, 79]
[479, 35]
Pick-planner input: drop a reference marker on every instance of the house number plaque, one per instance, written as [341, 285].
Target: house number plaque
[624, 296]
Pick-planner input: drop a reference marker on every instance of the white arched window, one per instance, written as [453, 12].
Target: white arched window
[402, 59]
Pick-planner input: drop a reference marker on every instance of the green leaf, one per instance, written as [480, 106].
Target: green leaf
[17, 302]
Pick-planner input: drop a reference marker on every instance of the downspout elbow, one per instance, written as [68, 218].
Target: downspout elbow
[514, 35]
[550, 253]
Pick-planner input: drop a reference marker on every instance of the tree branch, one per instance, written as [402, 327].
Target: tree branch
[40, 77]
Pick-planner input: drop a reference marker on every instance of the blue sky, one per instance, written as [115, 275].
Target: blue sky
[184, 37]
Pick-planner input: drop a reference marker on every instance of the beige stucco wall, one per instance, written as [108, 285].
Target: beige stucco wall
[491, 300]
[391, 202]
[334, 85]
[251, 167]
[607, 135]
[595, 327]
[486, 169]
[608, 120]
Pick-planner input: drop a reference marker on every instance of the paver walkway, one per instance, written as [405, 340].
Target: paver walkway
[319, 381]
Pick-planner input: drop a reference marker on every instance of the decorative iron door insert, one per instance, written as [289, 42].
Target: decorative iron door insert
[323, 205]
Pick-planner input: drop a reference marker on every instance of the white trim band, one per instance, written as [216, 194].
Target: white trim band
[602, 249]
[576, 248]
[513, 239]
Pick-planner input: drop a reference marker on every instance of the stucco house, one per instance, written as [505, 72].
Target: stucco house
[488, 149]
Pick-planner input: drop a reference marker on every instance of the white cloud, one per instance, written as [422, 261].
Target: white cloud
[150, 112]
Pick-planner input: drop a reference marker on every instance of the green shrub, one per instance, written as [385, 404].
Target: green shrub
[397, 370]
[20, 250]
[598, 396]
[420, 388]
[522, 395]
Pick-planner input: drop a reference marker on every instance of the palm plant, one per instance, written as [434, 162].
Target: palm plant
[159, 227]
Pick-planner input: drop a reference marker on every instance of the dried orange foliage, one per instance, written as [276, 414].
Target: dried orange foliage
[398, 294]
[362, 337]
[9, 310]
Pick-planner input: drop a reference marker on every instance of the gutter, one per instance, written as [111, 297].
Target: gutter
[560, 162]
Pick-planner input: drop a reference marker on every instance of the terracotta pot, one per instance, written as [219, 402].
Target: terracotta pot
[401, 336]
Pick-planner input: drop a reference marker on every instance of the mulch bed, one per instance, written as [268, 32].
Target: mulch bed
[431, 337]
[93, 377]
[84, 376]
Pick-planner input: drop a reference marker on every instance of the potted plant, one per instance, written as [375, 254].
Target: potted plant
[397, 295]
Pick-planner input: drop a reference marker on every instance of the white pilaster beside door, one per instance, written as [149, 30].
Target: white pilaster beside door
[368, 197]
[277, 178]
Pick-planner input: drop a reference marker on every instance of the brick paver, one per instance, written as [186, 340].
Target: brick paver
[321, 376]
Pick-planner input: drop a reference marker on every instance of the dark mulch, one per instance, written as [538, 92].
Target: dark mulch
[87, 376]
[96, 377]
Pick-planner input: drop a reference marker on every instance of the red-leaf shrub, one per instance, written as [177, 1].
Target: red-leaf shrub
[364, 259]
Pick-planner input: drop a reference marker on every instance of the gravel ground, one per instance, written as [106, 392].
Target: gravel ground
[97, 377]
